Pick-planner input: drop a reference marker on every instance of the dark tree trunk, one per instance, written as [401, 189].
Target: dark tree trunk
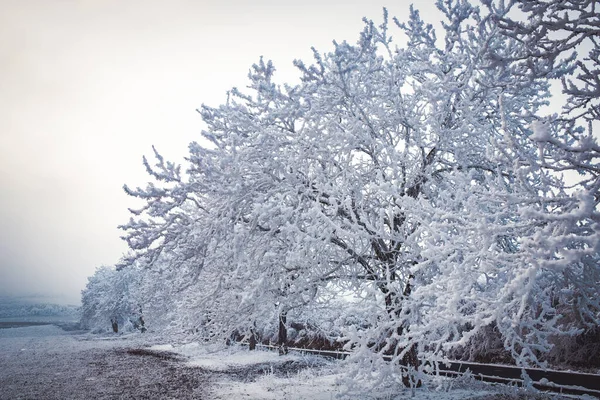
[282, 338]
[411, 361]
[252, 342]
[115, 325]
[141, 321]
[142, 324]
[411, 358]
[394, 309]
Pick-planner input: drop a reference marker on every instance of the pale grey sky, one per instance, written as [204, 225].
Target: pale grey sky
[88, 86]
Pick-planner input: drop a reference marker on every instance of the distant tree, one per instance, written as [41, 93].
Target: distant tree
[110, 299]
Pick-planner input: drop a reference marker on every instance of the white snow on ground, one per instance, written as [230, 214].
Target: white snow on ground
[305, 385]
[320, 382]
[316, 385]
[218, 358]
[43, 339]
[59, 364]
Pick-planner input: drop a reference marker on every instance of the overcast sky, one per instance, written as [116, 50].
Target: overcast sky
[88, 86]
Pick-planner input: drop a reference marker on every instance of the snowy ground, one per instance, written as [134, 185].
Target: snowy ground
[46, 362]
[241, 374]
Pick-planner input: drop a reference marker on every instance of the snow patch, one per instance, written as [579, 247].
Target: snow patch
[217, 358]
[161, 347]
[300, 387]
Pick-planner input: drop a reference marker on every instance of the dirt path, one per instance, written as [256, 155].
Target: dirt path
[45, 362]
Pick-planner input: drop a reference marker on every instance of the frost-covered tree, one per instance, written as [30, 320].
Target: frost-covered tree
[111, 300]
[423, 178]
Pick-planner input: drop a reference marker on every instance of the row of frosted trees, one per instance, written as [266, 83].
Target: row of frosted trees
[414, 199]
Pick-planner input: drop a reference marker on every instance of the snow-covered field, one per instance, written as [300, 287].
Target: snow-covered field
[46, 362]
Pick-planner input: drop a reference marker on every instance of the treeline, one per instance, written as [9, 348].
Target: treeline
[10, 308]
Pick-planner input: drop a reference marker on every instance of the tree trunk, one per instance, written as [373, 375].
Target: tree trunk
[252, 342]
[115, 325]
[394, 309]
[141, 321]
[142, 324]
[282, 338]
[410, 361]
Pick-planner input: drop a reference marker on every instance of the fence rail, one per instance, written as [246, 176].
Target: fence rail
[564, 382]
